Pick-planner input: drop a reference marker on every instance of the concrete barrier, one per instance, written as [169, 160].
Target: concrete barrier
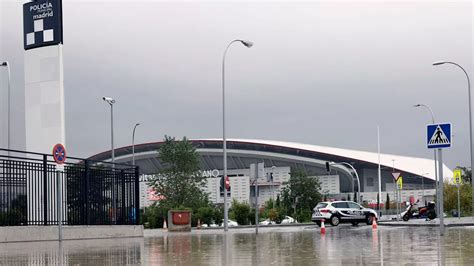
[50, 233]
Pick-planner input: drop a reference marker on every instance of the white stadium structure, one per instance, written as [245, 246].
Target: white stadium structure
[280, 159]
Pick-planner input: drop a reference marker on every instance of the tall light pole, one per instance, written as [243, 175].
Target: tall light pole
[271, 179]
[111, 102]
[7, 65]
[434, 152]
[423, 187]
[248, 44]
[470, 118]
[357, 176]
[133, 143]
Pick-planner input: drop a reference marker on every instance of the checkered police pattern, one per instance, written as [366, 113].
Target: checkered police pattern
[40, 34]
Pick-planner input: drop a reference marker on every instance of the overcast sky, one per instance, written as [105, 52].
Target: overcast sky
[324, 73]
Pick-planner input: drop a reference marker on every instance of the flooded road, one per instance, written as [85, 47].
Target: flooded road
[273, 246]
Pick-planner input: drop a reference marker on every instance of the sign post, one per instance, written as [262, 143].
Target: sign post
[457, 180]
[256, 172]
[396, 175]
[253, 177]
[59, 156]
[439, 137]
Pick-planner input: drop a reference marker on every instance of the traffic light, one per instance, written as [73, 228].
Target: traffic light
[222, 183]
[328, 168]
[227, 183]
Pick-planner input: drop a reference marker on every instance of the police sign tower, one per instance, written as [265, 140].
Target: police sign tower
[439, 137]
[44, 84]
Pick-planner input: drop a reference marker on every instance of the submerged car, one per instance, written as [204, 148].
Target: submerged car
[266, 222]
[289, 220]
[337, 212]
[230, 223]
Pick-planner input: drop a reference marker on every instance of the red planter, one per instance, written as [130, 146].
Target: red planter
[179, 220]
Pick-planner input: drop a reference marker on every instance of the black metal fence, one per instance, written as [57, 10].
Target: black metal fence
[92, 193]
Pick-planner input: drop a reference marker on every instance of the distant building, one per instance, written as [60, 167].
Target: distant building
[285, 157]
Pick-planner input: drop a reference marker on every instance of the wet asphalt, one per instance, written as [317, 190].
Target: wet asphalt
[301, 245]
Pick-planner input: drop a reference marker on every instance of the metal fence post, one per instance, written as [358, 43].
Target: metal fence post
[45, 189]
[137, 196]
[86, 191]
[123, 212]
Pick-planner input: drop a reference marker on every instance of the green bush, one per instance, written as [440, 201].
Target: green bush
[240, 212]
[451, 198]
[206, 214]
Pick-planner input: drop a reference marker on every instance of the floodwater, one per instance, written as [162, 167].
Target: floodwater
[343, 245]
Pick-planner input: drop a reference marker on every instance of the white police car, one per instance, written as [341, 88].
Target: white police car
[337, 212]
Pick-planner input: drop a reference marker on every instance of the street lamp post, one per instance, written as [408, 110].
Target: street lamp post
[7, 65]
[470, 117]
[111, 102]
[423, 187]
[434, 151]
[271, 179]
[133, 143]
[357, 176]
[224, 140]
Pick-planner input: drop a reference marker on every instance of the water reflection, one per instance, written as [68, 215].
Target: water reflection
[81, 252]
[298, 245]
[302, 246]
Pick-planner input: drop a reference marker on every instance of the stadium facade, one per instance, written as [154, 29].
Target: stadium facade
[280, 159]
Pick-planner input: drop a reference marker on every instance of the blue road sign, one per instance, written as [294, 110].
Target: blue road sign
[438, 136]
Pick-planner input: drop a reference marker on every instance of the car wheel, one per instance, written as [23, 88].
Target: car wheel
[370, 219]
[318, 223]
[355, 223]
[406, 217]
[334, 220]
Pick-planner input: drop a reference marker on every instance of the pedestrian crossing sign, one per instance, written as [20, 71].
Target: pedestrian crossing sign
[457, 176]
[439, 136]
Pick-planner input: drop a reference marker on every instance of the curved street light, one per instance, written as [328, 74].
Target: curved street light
[357, 176]
[248, 44]
[437, 63]
[133, 143]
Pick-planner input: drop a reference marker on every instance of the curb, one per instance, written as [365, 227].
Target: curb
[424, 225]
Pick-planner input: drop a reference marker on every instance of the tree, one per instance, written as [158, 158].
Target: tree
[240, 212]
[451, 198]
[466, 174]
[301, 193]
[206, 214]
[179, 182]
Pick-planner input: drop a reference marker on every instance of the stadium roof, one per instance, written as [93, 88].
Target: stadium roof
[414, 165]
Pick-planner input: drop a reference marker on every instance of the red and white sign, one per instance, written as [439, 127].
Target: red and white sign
[59, 153]
[227, 183]
[396, 176]
[152, 196]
